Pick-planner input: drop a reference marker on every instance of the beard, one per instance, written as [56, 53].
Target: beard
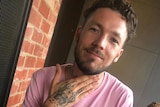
[84, 65]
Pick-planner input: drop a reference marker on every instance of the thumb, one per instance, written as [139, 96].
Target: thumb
[57, 77]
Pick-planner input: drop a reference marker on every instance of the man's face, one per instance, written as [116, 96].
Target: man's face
[100, 41]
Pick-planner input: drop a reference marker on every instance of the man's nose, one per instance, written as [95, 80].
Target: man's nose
[101, 42]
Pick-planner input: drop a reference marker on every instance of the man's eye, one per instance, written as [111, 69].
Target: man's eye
[95, 30]
[114, 40]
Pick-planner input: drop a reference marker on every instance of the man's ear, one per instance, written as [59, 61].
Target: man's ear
[77, 33]
[118, 55]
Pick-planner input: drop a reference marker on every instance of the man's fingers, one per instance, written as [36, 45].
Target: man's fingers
[87, 83]
[86, 88]
[84, 78]
[84, 91]
[84, 94]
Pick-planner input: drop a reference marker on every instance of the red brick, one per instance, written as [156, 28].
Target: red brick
[21, 61]
[39, 11]
[30, 73]
[14, 88]
[46, 41]
[51, 3]
[35, 18]
[38, 51]
[29, 31]
[31, 48]
[52, 18]
[51, 30]
[30, 61]
[22, 98]
[45, 52]
[13, 100]
[36, 3]
[40, 63]
[60, 1]
[20, 105]
[44, 9]
[20, 74]
[37, 36]
[57, 7]
[23, 86]
[27, 47]
[45, 26]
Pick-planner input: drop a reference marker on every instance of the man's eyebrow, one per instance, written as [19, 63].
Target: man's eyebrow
[97, 24]
[116, 35]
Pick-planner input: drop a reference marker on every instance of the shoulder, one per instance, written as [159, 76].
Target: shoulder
[118, 85]
[46, 72]
[119, 91]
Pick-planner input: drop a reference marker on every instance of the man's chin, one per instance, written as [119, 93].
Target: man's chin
[87, 71]
[93, 73]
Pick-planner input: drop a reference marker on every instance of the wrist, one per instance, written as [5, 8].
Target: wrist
[51, 102]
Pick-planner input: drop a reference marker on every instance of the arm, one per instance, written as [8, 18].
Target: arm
[31, 99]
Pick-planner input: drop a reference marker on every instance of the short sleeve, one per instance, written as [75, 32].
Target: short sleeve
[37, 91]
[128, 101]
[32, 93]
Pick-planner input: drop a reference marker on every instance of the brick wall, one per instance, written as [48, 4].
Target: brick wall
[35, 45]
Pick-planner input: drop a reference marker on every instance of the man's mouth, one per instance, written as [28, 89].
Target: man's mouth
[95, 53]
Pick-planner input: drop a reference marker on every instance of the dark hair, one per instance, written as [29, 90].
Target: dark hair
[152, 104]
[123, 7]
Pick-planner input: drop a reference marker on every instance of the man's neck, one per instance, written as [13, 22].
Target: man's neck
[77, 73]
[72, 71]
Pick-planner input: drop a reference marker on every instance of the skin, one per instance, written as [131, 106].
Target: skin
[157, 104]
[99, 43]
[67, 93]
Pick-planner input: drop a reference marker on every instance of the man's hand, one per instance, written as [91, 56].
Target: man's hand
[67, 93]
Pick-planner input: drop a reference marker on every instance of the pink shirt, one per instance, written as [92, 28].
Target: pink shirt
[111, 92]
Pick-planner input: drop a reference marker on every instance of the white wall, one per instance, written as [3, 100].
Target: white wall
[139, 67]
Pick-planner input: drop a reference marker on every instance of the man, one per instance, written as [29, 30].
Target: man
[108, 25]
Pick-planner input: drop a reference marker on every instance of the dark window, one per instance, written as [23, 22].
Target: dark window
[13, 19]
